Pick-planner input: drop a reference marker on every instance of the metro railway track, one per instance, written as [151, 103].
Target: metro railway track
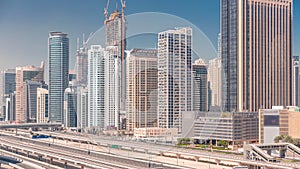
[62, 153]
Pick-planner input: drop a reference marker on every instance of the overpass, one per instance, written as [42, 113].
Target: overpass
[262, 152]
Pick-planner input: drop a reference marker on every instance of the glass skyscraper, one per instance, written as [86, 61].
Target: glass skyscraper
[200, 86]
[58, 46]
[256, 53]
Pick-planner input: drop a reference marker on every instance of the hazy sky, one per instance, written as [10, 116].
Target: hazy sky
[25, 24]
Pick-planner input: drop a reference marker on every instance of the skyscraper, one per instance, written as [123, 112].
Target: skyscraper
[256, 53]
[82, 107]
[82, 65]
[174, 77]
[70, 108]
[112, 84]
[215, 79]
[115, 36]
[11, 107]
[42, 115]
[7, 86]
[141, 97]
[200, 86]
[58, 48]
[31, 73]
[96, 56]
[31, 99]
[296, 92]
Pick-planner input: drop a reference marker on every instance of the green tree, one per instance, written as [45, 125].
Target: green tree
[279, 138]
[222, 143]
[288, 139]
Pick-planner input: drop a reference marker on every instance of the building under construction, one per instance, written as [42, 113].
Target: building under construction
[115, 36]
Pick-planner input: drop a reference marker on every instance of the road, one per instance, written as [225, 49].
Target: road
[155, 148]
[71, 154]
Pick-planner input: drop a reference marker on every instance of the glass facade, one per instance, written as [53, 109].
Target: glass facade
[58, 74]
[256, 43]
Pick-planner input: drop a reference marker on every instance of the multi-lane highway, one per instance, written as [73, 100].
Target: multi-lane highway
[167, 150]
[76, 157]
[140, 152]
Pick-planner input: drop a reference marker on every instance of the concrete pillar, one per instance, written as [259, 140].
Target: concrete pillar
[282, 153]
[161, 153]
[196, 158]
[146, 151]
[218, 161]
[132, 149]
[40, 157]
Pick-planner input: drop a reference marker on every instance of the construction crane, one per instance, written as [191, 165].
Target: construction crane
[106, 12]
[123, 4]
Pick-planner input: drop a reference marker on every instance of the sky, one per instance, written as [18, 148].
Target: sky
[25, 24]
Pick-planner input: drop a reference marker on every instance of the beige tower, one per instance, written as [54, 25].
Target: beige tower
[22, 74]
[42, 115]
[141, 106]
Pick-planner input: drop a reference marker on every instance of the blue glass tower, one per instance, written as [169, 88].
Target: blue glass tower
[58, 46]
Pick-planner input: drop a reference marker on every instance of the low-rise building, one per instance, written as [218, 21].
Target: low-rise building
[233, 127]
[155, 132]
[278, 121]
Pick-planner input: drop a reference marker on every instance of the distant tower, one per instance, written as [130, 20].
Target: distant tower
[82, 65]
[42, 115]
[115, 36]
[11, 107]
[296, 93]
[58, 46]
[112, 87]
[174, 77]
[200, 86]
[70, 108]
[96, 56]
[31, 99]
[215, 80]
[7, 86]
[141, 106]
[82, 107]
[31, 73]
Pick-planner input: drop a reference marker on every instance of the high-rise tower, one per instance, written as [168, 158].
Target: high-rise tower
[32, 73]
[58, 48]
[82, 64]
[115, 36]
[174, 77]
[256, 53]
[141, 106]
[200, 86]
[96, 57]
[215, 80]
